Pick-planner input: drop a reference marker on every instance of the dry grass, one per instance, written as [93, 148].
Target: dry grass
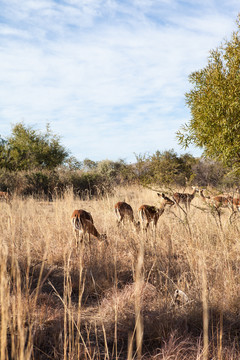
[116, 301]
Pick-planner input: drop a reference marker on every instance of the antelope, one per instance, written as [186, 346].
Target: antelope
[80, 213]
[150, 214]
[125, 211]
[217, 201]
[4, 195]
[222, 201]
[185, 198]
[236, 204]
[82, 222]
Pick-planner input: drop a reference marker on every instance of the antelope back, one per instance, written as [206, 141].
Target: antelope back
[80, 214]
[223, 201]
[180, 197]
[123, 209]
[148, 213]
[236, 204]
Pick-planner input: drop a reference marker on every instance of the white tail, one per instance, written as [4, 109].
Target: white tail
[77, 214]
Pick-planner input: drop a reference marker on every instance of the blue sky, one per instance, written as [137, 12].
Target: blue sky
[108, 75]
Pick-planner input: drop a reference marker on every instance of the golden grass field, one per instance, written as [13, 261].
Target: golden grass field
[116, 301]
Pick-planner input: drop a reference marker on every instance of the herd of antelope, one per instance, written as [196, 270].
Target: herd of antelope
[83, 224]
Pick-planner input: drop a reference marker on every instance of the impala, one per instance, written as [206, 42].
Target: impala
[77, 214]
[217, 201]
[150, 214]
[185, 198]
[236, 204]
[4, 195]
[124, 211]
[82, 222]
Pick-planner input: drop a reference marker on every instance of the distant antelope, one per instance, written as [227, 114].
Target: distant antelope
[218, 201]
[185, 198]
[236, 204]
[4, 196]
[124, 211]
[150, 214]
[82, 222]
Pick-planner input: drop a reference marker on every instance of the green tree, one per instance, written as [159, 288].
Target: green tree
[168, 168]
[28, 149]
[117, 170]
[89, 164]
[4, 153]
[165, 168]
[71, 163]
[214, 103]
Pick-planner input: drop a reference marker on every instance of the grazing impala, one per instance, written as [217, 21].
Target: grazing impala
[185, 198]
[150, 214]
[4, 196]
[80, 213]
[124, 211]
[218, 201]
[82, 222]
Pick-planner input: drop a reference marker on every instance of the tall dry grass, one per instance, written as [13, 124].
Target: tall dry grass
[116, 301]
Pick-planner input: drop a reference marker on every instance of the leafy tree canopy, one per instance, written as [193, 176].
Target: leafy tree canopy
[165, 168]
[214, 103]
[28, 149]
[89, 164]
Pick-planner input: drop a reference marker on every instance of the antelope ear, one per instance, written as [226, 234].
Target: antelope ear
[159, 194]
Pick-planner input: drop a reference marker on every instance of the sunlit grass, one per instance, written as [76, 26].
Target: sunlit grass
[99, 301]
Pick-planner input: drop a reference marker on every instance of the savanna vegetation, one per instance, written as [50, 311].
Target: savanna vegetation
[36, 164]
[214, 104]
[115, 300]
[173, 293]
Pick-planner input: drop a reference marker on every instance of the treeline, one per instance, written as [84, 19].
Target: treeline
[99, 178]
[34, 163]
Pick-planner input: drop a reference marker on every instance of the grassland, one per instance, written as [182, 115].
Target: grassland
[116, 301]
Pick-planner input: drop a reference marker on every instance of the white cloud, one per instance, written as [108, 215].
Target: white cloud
[109, 76]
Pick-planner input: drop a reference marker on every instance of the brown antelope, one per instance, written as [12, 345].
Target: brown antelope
[236, 204]
[220, 201]
[217, 201]
[80, 213]
[82, 222]
[150, 214]
[4, 196]
[185, 198]
[124, 211]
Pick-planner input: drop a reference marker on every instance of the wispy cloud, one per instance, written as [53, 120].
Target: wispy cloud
[108, 75]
